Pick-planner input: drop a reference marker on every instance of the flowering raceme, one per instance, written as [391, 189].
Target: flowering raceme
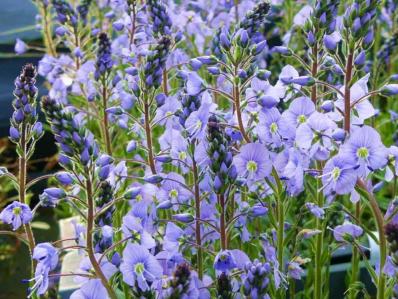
[212, 149]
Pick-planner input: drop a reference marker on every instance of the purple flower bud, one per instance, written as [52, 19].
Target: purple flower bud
[213, 70]
[104, 160]
[282, 50]
[394, 77]
[303, 81]
[63, 160]
[331, 41]
[242, 74]
[208, 60]
[360, 59]
[184, 217]
[195, 64]
[258, 48]
[78, 52]
[327, 106]
[258, 210]
[37, 130]
[20, 47]
[14, 134]
[51, 196]
[160, 99]
[390, 90]
[64, 178]
[338, 134]
[61, 31]
[263, 74]
[369, 37]
[244, 39]
[118, 25]
[268, 101]
[153, 179]
[104, 172]
[163, 159]
[224, 40]
[115, 110]
[131, 146]
[164, 205]
[311, 38]
[132, 71]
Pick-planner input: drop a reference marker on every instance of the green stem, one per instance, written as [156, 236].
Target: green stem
[223, 233]
[378, 216]
[347, 91]
[108, 142]
[355, 255]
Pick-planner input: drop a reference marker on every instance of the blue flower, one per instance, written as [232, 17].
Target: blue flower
[253, 162]
[139, 267]
[347, 231]
[46, 254]
[339, 175]
[51, 196]
[365, 148]
[225, 261]
[16, 214]
[92, 289]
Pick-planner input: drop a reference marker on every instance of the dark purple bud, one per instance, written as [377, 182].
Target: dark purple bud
[131, 146]
[153, 179]
[303, 81]
[327, 106]
[338, 134]
[118, 25]
[208, 60]
[267, 101]
[311, 38]
[244, 39]
[369, 37]
[163, 159]
[258, 48]
[14, 134]
[263, 74]
[160, 99]
[224, 40]
[131, 71]
[390, 90]
[104, 171]
[242, 74]
[195, 64]
[64, 178]
[61, 31]
[37, 130]
[282, 50]
[164, 205]
[184, 217]
[115, 110]
[104, 160]
[360, 59]
[258, 210]
[213, 70]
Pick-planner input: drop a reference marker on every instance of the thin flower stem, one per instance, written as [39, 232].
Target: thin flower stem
[38, 179]
[105, 121]
[148, 133]
[314, 71]
[347, 91]
[355, 255]
[236, 96]
[164, 83]
[89, 237]
[48, 41]
[382, 238]
[330, 86]
[197, 215]
[223, 232]
[22, 193]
